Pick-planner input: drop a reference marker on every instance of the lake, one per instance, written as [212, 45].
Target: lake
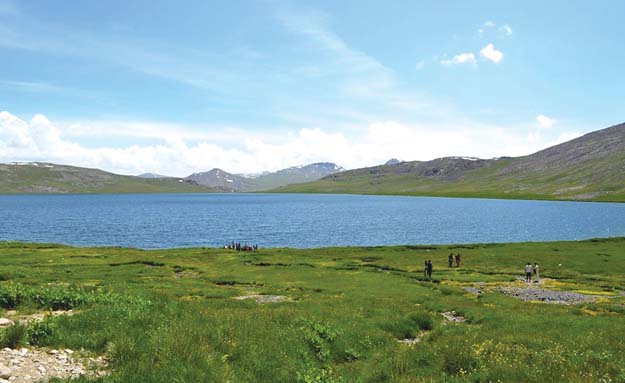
[296, 220]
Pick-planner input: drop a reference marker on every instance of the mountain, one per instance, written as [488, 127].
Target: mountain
[296, 174]
[393, 161]
[38, 177]
[152, 175]
[265, 180]
[217, 178]
[591, 167]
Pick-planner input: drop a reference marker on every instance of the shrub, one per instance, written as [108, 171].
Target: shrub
[13, 336]
[38, 332]
[410, 325]
[422, 319]
[62, 297]
[12, 295]
[401, 328]
[317, 335]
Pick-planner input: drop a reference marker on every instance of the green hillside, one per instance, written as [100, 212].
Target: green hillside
[51, 178]
[589, 168]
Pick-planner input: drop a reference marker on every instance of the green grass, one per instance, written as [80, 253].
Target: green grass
[52, 178]
[346, 311]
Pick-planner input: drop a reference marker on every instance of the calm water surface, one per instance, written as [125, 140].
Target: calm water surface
[296, 220]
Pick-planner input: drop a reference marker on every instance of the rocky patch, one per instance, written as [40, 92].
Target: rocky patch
[32, 365]
[451, 316]
[474, 290]
[547, 296]
[412, 341]
[12, 317]
[262, 299]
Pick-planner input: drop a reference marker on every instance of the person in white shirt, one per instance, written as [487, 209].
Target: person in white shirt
[528, 272]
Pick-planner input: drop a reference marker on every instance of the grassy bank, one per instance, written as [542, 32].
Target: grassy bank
[471, 188]
[171, 315]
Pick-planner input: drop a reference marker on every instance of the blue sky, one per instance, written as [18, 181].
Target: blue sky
[133, 86]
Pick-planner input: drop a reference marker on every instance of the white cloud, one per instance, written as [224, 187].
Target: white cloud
[374, 143]
[462, 58]
[489, 52]
[544, 122]
[505, 30]
[420, 65]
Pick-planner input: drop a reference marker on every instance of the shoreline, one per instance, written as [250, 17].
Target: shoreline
[417, 247]
[502, 197]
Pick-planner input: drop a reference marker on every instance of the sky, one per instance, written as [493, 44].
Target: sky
[247, 86]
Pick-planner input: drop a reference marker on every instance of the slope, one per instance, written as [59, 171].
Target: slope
[591, 167]
[34, 177]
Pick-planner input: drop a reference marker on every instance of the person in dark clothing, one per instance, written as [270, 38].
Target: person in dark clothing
[450, 259]
[429, 269]
[458, 260]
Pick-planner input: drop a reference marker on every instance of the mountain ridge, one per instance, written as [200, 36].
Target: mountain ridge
[587, 168]
[265, 180]
[44, 177]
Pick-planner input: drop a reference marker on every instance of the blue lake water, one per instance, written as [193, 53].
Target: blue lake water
[296, 220]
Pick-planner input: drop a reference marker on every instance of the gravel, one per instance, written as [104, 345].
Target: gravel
[547, 296]
[453, 317]
[261, 299]
[26, 365]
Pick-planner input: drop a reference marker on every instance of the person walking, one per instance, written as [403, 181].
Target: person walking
[536, 272]
[450, 260]
[528, 272]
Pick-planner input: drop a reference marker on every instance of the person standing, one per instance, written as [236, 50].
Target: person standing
[429, 268]
[536, 271]
[450, 259]
[528, 272]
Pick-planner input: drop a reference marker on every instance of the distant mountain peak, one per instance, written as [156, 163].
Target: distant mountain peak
[393, 161]
[265, 180]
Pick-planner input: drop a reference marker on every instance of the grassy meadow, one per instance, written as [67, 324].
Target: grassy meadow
[171, 315]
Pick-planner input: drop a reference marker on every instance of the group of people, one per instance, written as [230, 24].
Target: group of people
[529, 269]
[427, 270]
[239, 247]
[452, 257]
